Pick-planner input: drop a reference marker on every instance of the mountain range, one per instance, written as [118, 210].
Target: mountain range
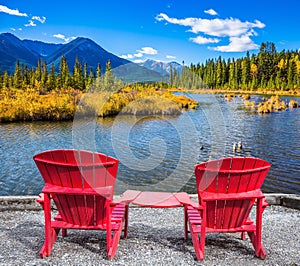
[86, 50]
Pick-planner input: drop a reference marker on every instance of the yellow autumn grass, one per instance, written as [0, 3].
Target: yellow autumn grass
[30, 105]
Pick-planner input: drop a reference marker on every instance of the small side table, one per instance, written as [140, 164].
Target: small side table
[153, 199]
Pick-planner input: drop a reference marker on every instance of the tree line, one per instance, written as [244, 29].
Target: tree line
[81, 78]
[268, 69]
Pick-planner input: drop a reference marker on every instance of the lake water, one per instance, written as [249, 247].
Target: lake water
[158, 153]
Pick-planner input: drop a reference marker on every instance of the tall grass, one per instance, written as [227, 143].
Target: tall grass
[29, 105]
[32, 105]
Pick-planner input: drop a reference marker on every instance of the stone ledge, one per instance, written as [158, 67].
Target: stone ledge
[13, 203]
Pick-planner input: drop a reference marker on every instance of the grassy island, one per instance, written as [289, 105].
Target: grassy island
[32, 105]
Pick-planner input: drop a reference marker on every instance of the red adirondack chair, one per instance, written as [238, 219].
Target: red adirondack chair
[227, 190]
[81, 184]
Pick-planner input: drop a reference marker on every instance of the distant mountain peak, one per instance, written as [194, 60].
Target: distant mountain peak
[28, 52]
[161, 67]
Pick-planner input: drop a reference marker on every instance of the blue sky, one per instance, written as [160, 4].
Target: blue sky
[190, 31]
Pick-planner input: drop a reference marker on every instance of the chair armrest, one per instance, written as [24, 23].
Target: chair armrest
[96, 191]
[185, 199]
[209, 196]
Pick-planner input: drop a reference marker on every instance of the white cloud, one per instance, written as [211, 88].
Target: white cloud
[13, 29]
[128, 56]
[138, 61]
[214, 27]
[14, 12]
[211, 12]
[147, 50]
[140, 53]
[30, 24]
[238, 44]
[238, 32]
[203, 40]
[40, 19]
[63, 37]
[170, 57]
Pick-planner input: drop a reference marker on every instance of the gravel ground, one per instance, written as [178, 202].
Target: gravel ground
[155, 238]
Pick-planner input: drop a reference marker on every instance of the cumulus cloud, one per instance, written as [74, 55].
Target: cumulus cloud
[30, 24]
[138, 61]
[63, 37]
[140, 53]
[170, 57]
[40, 19]
[214, 27]
[13, 12]
[238, 44]
[238, 32]
[203, 40]
[211, 12]
[147, 50]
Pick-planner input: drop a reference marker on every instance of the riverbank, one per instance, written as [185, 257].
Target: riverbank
[289, 93]
[155, 238]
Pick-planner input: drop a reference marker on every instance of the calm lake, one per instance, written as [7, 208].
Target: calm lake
[159, 153]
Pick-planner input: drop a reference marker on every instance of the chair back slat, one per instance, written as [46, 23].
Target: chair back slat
[79, 169]
[227, 176]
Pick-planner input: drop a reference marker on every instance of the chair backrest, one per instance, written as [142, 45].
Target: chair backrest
[230, 175]
[76, 172]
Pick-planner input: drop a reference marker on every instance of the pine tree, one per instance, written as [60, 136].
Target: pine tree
[219, 74]
[291, 74]
[98, 85]
[38, 71]
[17, 80]
[51, 79]
[246, 67]
[108, 77]
[64, 76]
[232, 74]
[5, 82]
[78, 80]
[44, 74]
[171, 75]
[266, 63]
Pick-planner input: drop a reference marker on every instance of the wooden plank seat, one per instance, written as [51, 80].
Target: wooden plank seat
[227, 190]
[81, 185]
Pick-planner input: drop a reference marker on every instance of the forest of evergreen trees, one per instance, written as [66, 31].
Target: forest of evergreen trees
[268, 69]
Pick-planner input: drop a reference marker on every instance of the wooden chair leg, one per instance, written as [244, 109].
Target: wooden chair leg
[50, 233]
[185, 223]
[112, 249]
[243, 235]
[64, 232]
[256, 237]
[126, 221]
[197, 222]
[198, 243]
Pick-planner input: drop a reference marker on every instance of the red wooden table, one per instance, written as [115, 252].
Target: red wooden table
[152, 199]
